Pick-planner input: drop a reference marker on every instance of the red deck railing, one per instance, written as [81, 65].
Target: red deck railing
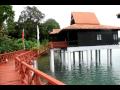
[10, 55]
[59, 44]
[32, 76]
[24, 66]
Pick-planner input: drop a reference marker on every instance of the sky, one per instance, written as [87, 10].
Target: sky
[106, 14]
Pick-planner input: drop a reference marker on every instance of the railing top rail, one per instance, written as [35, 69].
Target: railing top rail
[23, 53]
[40, 73]
[11, 52]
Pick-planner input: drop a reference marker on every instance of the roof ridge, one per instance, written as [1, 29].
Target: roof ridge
[84, 17]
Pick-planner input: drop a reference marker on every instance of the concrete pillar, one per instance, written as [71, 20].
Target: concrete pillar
[73, 58]
[35, 65]
[96, 57]
[69, 61]
[71, 53]
[62, 57]
[91, 55]
[87, 56]
[76, 59]
[91, 58]
[79, 57]
[110, 56]
[99, 56]
[66, 59]
[107, 56]
[52, 67]
[82, 56]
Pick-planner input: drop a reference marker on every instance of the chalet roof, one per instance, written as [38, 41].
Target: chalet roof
[55, 31]
[90, 26]
[84, 18]
[87, 20]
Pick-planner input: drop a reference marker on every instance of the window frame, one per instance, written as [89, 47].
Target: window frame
[99, 37]
[115, 37]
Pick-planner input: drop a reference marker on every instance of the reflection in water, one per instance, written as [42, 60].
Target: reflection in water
[101, 67]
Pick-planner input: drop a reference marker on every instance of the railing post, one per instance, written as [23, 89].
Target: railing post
[52, 60]
[27, 72]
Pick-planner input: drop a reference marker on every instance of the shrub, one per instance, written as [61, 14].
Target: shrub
[6, 44]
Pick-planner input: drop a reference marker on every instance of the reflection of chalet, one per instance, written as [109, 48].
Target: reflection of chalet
[85, 30]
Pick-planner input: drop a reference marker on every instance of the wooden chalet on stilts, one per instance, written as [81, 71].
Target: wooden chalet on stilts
[84, 30]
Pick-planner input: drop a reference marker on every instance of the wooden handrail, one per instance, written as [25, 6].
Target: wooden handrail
[24, 66]
[30, 75]
[9, 56]
[29, 80]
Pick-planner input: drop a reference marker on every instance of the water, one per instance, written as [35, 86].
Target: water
[86, 73]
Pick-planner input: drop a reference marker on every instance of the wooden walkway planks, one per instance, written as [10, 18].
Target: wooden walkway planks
[8, 75]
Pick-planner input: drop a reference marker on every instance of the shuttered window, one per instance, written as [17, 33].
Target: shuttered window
[115, 37]
[99, 37]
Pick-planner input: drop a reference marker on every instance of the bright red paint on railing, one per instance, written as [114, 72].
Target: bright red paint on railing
[28, 74]
[9, 56]
[32, 76]
[8, 75]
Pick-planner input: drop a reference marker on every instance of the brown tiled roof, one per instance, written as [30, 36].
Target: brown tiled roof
[85, 18]
[88, 26]
[55, 31]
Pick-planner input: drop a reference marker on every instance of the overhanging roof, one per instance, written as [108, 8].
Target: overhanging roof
[55, 31]
[88, 26]
[85, 21]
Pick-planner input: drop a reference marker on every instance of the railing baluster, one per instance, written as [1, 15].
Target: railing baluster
[28, 74]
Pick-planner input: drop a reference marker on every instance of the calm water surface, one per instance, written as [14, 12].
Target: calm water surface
[86, 73]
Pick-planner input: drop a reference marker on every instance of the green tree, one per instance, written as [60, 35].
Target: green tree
[6, 25]
[6, 15]
[49, 25]
[29, 19]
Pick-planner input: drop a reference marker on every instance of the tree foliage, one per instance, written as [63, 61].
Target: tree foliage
[51, 24]
[10, 31]
[32, 14]
[29, 19]
[48, 26]
[6, 25]
[7, 44]
[6, 14]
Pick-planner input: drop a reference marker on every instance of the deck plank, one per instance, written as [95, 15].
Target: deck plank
[8, 75]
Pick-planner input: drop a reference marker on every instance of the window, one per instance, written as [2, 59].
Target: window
[99, 37]
[115, 37]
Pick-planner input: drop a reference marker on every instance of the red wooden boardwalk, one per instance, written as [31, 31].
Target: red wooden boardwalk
[18, 70]
[8, 75]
